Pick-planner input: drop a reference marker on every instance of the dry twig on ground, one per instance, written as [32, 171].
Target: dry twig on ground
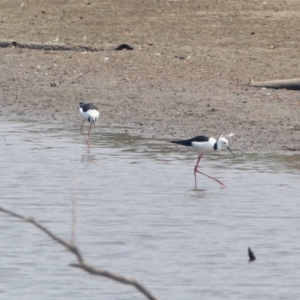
[49, 46]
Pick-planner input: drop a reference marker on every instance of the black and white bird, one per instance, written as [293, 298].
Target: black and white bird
[88, 112]
[204, 145]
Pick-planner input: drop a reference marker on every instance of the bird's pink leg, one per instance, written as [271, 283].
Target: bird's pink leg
[83, 132]
[88, 140]
[211, 177]
[82, 127]
[197, 171]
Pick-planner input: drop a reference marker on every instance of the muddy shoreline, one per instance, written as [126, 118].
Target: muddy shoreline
[183, 78]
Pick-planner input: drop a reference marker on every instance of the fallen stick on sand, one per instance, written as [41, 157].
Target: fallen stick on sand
[289, 84]
[49, 46]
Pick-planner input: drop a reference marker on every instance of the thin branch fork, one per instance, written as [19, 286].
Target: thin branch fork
[82, 265]
[122, 279]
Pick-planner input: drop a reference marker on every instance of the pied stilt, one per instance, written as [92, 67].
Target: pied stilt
[204, 145]
[88, 112]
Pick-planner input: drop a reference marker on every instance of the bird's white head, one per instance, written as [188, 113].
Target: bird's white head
[222, 142]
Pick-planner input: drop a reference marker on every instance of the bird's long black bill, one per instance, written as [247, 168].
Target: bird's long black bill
[230, 151]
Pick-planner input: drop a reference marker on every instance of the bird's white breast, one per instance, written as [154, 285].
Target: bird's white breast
[91, 114]
[204, 147]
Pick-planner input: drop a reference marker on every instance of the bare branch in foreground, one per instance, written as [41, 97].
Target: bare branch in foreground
[72, 248]
[131, 281]
[73, 231]
[82, 265]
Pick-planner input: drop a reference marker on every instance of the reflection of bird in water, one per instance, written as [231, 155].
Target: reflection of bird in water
[89, 158]
[251, 255]
[204, 145]
[89, 112]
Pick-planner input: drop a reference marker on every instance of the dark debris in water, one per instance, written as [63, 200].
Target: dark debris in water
[251, 255]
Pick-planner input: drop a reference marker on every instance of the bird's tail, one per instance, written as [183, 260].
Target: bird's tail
[182, 142]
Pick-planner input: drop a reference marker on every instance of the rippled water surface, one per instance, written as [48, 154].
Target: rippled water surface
[138, 214]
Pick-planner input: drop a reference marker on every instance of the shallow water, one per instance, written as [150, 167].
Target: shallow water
[139, 215]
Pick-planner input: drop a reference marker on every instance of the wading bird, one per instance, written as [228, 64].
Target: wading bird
[88, 112]
[204, 145]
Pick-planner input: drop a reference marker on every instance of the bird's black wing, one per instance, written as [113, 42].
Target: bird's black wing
[199, 138]
[87, 106]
